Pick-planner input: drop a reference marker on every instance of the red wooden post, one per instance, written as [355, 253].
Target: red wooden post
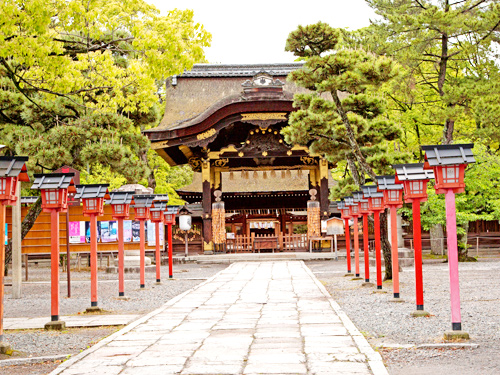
[394, 251]
[121, 260]
[2, 263]
[417, 238]
[93, 260]
[378, 250]
[356, 244]
[158, 257]
[170, 252]
[54, 265]
[348, 245]
[143, 253]
[365, 245]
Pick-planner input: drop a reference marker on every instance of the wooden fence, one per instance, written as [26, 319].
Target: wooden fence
[267, 243]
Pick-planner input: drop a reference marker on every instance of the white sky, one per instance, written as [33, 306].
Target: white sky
[255, 31]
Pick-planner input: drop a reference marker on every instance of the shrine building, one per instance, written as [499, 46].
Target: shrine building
[224, 121]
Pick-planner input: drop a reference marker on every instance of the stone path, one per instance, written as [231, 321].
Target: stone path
[251, 318]
[73, 321]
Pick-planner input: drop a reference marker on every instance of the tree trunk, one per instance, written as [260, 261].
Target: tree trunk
[437, 239]
[386, 246]
[463, 247]
[26, 225]
[143, 155]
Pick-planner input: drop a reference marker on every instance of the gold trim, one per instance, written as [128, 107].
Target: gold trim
[158, 145]
[209, 133]
[263, 116]
[205, 171]
[208, 246]
[323, 168]
[166, 157]
[216, 154]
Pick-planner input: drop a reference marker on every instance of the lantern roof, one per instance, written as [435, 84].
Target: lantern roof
[370, 191]
[412, 172]
[349, 201]
[53, 181]
[358, 197]
[29, 200]
[172, 210]
[388, 183]
[92, 191]
[14, 166]
[160, 202]
[341, 205]
[121, 197]
[143, 200]
[449, 154]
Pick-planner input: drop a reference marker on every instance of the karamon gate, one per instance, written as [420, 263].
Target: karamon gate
[225, 122]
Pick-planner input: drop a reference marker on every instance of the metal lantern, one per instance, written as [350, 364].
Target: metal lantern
[120, 202]
[374, 197]
[12, 169]
[449, 163]
[313, 215]
[344, 210]
[142, 205]
[218, 219]
[353, 207]
[393, 192]
[93, 198]
[362, 202]
[54, 188]
[414, 178]
[159, 205]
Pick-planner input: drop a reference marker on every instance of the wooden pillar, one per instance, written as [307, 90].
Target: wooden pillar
[206, 178]
[323, 188]
[17, 264]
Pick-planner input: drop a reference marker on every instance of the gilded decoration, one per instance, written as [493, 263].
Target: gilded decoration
[264, 119]
[207, 134]
[158, 145]
[195, 164]
[307, 160]
[221, 163]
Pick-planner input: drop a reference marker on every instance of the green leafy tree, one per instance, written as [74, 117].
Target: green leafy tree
[79, 80]
[448, 49]
[342, 117]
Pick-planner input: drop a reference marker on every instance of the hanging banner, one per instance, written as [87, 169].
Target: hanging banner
[87, 232]
[109, 231]
[136, 231]
[151, 234]
[127, 230]
[74, 232]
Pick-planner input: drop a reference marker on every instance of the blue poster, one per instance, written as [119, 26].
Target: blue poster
[6, 234]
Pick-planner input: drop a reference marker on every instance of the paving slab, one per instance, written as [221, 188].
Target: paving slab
[72, 321]
[251, 318]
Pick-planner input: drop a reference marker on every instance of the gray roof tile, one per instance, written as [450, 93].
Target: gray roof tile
[411, 172]
[91, 191]
[388, 183]
[449, 154]
[240, 70]
[53, 181]
[120, 197]
[12, 166]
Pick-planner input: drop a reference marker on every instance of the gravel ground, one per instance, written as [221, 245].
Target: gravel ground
[36, 303]
[386, 324]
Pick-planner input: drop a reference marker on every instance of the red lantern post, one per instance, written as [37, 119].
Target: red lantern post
[414, 179]
[354, 213]
[54, 188]
[157, 217]
[365, 211]
[393, 197]
[93, 206]
[12, 170]
[120, 202]
[345, 216]
[141, 207]
[449, 163]
[169, 219]
[376, 205]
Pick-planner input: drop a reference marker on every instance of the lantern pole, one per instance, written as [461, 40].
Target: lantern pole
[143, 253]
[348, 246]
[157, 239]
[4, 347]
[356, 246]
[93, 263]
[170, 252]
[417, 240]
[366, 253]
[121, 259]
[394, 253]
[378, 250]
[451, 240]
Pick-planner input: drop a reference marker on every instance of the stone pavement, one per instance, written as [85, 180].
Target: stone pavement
[251, 318]
[72, 321]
